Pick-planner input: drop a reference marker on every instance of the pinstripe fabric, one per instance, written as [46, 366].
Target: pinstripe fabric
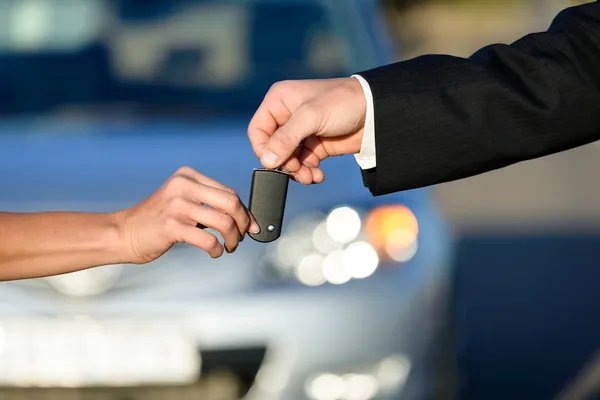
[442, 118]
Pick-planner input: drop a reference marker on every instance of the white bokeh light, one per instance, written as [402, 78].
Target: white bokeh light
[285, 250]
[322, 242]
[292, 249]
[344, 224]
[310, 270]
[88, 282]
[272, 378]
[359, 387]
[393, 371]
[361, 260]
[335, 269]
[326, 387]
[2, 339]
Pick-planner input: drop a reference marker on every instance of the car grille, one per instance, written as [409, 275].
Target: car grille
[226, 375]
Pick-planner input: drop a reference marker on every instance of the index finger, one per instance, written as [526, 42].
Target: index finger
[271, 114]
[191, 173]
[223, 201]
[261, 127]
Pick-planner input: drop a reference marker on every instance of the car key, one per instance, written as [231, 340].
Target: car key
[268, 195]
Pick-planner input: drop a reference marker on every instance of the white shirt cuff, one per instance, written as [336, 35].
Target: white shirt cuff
[366, 158]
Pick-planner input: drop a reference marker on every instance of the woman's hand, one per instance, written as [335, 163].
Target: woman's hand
[173, 213]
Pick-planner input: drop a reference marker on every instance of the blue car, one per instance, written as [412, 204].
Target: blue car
[100, 102]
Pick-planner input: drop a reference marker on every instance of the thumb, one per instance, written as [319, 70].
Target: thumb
[285, 140]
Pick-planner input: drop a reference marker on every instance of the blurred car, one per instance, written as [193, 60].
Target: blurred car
[102, 101]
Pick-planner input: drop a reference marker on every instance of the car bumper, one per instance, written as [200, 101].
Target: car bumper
[378, 329]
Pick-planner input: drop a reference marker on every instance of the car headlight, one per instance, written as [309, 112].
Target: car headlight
[344, 244]
[363, 382]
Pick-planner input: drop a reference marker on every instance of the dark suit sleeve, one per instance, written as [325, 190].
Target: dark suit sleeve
[443, 118]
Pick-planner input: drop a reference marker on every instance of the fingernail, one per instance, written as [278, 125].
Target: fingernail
[254, 228]
[269, 159]
[297, 178]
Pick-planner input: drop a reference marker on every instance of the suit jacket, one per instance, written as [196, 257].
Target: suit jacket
[442, 118]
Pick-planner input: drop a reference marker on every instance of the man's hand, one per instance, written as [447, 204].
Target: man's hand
[172, 213]
[300, 123]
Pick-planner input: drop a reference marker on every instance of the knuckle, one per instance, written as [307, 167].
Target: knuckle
[176, 183]
[176, 207]
[233, 203]
[228, 224]
[277, 86]
[230, 191]
[212, 242]
[184, 170]
[176, 203]
[171, 225]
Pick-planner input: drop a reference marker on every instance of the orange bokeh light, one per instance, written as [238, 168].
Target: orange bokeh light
[387, 222]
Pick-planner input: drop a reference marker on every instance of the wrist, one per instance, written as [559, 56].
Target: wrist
[117, 240]
[357, 89]
[366, 154]
[357, 108]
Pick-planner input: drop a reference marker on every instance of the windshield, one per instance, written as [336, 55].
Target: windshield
[212, 56]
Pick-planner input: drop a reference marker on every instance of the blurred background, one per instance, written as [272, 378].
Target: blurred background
[483, 288]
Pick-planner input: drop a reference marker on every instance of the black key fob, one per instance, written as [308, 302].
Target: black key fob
[267, 203]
